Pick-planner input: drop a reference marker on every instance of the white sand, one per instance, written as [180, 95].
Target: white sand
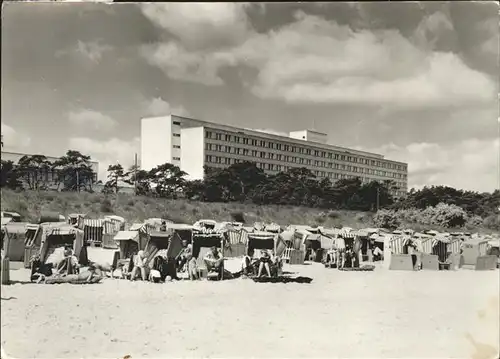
[380, 314]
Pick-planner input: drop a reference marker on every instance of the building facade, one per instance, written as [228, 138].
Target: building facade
[192, 144]
[49, 177]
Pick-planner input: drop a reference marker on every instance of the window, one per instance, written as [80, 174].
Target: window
[176, 123]
[245, 152]
[308, 151]
[245, 141]
[342, 158]
[336, 156]
[262, 155]
[227, 161]
[177, 135]
[208, 134]
[316, 153]
[237, 139]
[228, 137]
[218, 136]
[278, 146]
[208, 158]
[176, 158]
[177, 146]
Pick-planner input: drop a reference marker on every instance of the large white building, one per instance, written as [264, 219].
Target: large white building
[192, 144]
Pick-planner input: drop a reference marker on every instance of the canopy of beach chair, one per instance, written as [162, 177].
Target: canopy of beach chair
[261, 240]
[127, 236]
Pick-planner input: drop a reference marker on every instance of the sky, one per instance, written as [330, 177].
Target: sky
[416, 82]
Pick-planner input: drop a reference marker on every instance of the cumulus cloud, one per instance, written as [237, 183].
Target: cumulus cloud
[86, 118]
[313, 60]
[270, 131]
[316, 60]
[201, 25]
[159, 107]
[193, 66]
[92, 51]
[470, 164]
[107, 152]
[14, 140]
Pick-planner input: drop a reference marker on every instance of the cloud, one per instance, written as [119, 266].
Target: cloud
[201, 25]
[159, 107]
[92, 51]
[314, 60]
[91, 119]
[14, 140]
[270, 131]
[192, 66]
[470, 164]
[107, 152]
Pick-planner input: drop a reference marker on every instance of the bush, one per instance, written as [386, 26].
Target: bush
[333, 214]
[492, 222]
[387, 219]
[106, 206]
[446, 215]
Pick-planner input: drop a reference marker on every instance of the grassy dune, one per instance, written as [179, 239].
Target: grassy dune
[137, 208]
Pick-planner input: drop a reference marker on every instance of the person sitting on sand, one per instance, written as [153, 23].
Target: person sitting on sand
[265, 261]
[69, 264]
[139, 266]
[213, 260]
[377, 253]
[247, 263]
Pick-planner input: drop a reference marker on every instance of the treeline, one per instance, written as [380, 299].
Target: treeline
[244, 182]
[72, 172]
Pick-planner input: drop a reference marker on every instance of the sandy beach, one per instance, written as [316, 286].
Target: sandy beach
[380, 314]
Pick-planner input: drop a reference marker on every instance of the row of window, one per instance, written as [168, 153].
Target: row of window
[283, 168]
[305, 161]
[299, 149]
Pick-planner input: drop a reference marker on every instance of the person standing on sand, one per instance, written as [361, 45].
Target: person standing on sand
[139, 266]
[182, 258]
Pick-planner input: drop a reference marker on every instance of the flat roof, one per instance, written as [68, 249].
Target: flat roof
[282, 138]
[262, 134]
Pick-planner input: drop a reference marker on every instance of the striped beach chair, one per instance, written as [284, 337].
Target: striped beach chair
[94, 230]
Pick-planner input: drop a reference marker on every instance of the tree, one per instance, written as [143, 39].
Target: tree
[74, 171]
[139, 178]
[115, 175]
[168, 180]
[9, 176]
[33, 171]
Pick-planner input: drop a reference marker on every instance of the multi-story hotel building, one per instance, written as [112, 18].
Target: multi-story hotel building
[192, 144]
[50, 176]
